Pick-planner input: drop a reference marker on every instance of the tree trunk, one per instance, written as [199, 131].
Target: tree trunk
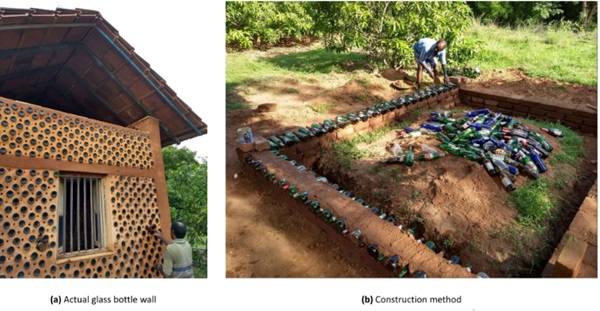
[588, 12]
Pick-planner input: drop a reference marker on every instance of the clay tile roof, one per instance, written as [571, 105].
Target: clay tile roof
[76, 62]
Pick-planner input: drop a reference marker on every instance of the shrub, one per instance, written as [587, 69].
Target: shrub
[387, 31]
[249, 24]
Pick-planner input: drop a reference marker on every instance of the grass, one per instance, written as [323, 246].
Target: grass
[533, 200]
[249, 68]
[555, 54]
[288, 90]
[572, 143]
[416, 193]
[322, 108]
[347, 151]
[360, 97]
[234, 105]
[562, 179]
[395, 174]
[377, 168]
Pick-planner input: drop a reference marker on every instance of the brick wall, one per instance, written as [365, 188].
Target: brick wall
[576, 117]
[307, 153]
[391, 240]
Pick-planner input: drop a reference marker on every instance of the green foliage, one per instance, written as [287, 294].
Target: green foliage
[187, 190]
[251, 70]
[572, 143]
[288, 90]
[533, 200]
[347, 151]
[574, 15]
[255, 23]
[322, 108]
[448, 242]
[387, 31]
[396, 174]
[316, 61]
[541, 53]
[515, 13]
[173, 156]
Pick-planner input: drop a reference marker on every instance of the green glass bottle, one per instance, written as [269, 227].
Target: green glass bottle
[442, 137]
[340, 225]
[281, 182]
[301, 196]
[409, 157]
[428, 156]
[292, 190]
[302, 136]
[326, 215]
[373, 250]
[472, 156]
[540, 139]
[553, 131]
[330, 123]
[276, 141]
[473, 149]
[306, 132]
[431, 245]
[291, 136]
[287, 141]
[314, 206]
[392, 262]
[448, 127]
[488, 165]
[506, 182]
[451, 148]
[404, 272]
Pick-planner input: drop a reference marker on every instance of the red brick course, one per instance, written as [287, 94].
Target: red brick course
[578, 118]
[391, 240]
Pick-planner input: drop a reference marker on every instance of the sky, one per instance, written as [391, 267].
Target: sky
[166, 35]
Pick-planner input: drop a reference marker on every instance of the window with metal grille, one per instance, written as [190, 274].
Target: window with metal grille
[81, 221]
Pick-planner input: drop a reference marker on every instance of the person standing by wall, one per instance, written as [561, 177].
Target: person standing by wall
[177, 259]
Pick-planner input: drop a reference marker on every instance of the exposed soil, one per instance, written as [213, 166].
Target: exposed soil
[265, 239]
[455, 203]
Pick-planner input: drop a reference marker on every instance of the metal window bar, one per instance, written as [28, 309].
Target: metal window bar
[79, 202]
[93, 241]
[61, 218]
[71, 218]
[78, 236]
[85, 245]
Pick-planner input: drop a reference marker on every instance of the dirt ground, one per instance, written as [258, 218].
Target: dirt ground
[267, 240]
[451, 201]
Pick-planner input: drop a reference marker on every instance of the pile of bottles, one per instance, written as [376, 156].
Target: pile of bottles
[392, 262]
[399, 156]
[289, 138]
[468, 72]
[504, 146]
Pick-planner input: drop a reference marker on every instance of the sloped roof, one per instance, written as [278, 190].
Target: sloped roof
[76, 62]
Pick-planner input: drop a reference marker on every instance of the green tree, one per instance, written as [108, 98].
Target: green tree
[517, 13]
[249, 24]
[173, 156]
[187, 190]
[387, 30]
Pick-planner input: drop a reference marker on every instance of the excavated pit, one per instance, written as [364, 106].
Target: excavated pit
[451, 201]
